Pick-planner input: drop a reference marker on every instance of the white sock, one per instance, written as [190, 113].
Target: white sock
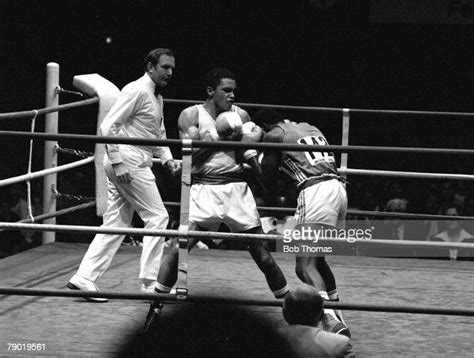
[329, 311]
[324, 295]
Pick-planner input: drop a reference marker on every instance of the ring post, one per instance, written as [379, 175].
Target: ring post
[345, 139]
[50, 154]
[182, 283]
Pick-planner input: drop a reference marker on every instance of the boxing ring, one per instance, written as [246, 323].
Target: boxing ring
[53, 263]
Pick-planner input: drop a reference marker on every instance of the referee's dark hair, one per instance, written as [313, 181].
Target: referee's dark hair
[153, 56]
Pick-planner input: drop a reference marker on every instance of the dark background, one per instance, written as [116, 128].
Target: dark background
[291, 53]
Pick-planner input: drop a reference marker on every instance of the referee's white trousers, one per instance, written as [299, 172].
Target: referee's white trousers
[140, 195]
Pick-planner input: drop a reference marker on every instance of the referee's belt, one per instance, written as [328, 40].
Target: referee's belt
[319, 179]
[221, 179]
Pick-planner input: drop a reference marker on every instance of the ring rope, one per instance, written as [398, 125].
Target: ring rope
[61, 212]
[335, 110]
[407, 215]
[291, 211]
[23, 114]
[57, 213]
[204, 235]
[232, 145]
[62, 107]
[389, 173]
[402, 174]
[44, 172]
[193, 298]
[364, 213]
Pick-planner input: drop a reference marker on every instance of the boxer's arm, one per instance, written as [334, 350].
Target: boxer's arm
[271, 158]
[188, 125]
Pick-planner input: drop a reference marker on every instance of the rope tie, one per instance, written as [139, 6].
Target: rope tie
[57, 194]
[60, 90]
[30, 159]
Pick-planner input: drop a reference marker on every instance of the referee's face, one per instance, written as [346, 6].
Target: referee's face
[163, 71]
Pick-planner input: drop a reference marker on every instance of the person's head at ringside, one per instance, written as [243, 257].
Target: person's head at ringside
[304, 306]
[159, 65]
[395, 205]
[453, 226]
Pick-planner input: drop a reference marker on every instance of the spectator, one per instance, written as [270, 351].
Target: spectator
[393, 228]
[304, 336]
[454, 230]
